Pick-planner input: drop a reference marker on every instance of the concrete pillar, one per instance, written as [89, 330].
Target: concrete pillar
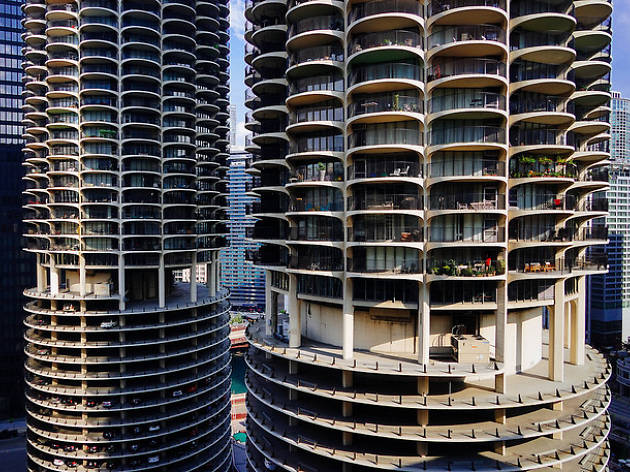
[568, 313]
[193, 280]
[121, 283]
[295, 322]
[348, 321]
[211, 279]
[346, 409]
[82, 276]
[54, 278]
[268, 305]
[347, 380]
[217, 274]
[41, 275]
[578, 332]
[556, 334]
[161, 283]
[424, 324]
[501, 325]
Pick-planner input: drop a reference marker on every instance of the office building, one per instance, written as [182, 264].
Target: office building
[428, 172]
[233, 125]
[609, 294]
[126, 117]
[245, 281]
[16, 268]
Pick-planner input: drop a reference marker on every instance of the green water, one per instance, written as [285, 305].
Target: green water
[238, 372]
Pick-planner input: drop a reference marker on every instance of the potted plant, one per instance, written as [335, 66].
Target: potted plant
[322, 170]
[546, 163]
[467, 272]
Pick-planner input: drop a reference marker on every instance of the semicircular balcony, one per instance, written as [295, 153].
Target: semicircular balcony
[461, 198]
[398, 44]
[465, 166]
[398, 105]
[466, 41]
[320, 172]
[461, 263]
[316, 230]
[536, 198]
[553, 47]
[386, 137]
[308, 146]
[540, 77]
[316, 258]
[541, 108]
[388, 167]
[325, 116]
[467, 135]
[312, 30]
[386, 76]
[379, 198]
[306, 90]
[466, 72]
[543, 168]
[534, 137]
[444, 12]
[593, 10]
[543, 14]
[269, 255]
[477, 230]
[363, 16]
[328, 201]
[385, 261]
[385, 230]
[315, 60]
[466, 102]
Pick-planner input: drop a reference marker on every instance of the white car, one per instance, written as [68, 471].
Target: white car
[154, 427]
[153, 459]
[177, 393]
[109, 324]
[59, 462]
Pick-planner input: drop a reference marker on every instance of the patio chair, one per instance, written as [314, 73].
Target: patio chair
[405, 172]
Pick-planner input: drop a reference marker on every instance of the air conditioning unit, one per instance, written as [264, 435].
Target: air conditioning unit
[470, 349]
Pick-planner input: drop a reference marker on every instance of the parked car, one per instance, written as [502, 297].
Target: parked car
[58, 462]
[153, 459]
[176, 393]
[154, 427]
[109, 324]
[107, 404]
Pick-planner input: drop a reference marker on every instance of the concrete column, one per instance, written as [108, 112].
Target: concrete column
[161, 283]
[295, 322]
[268, 305]
[348, 321]
[217, 274]
[424, 324]
[193, 279]
[41, 275]
[556, 334]
[501, 325]
[82, 276]
[578, 332]
[54, 278]
[568, 313]
[121, 283]
[211, 279]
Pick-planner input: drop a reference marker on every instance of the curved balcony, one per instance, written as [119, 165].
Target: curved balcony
[537, 12]
[385, 201]
[473, 100]
[467, 72]
[463, 11]
[466, 40]
[384, 169]
[447, 201]
[396, 41]
[312, 59]
[388, 136]
[380, 77]
[474, 169]
[394, 105]
[456, 134]
[385, 9]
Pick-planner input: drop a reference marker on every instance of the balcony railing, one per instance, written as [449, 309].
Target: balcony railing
[388, 102]
[316, 234]
[454, 34]
[326, 22]
[466, 268]
[386, 233]
[535, 103]
[467, 234]
[376, 168]
[456, 133]
[455, 67]
[532, 7]
[439, 6]
[532, 166]
[317, 53]
[317, 83]
[543, 201]
[405, 38]
[405, 265]
[467, 201]
[595, 204]
[391, 201]
[375, 7]
[316, 261]
[330, 143]
[320, 172]
[563, 266]
[382, 134]
[302, 205]
[466, 167]
[466, 98]
[540, 136]
[393, 70]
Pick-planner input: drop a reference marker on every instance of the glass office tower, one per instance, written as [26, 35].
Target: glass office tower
[428, 172]
[126, 151]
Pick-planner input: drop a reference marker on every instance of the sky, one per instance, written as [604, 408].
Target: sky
[620, 75]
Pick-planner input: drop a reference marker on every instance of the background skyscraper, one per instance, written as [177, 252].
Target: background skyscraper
[609, 294]
[233, 125]
[245, 281]
[16, 267]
